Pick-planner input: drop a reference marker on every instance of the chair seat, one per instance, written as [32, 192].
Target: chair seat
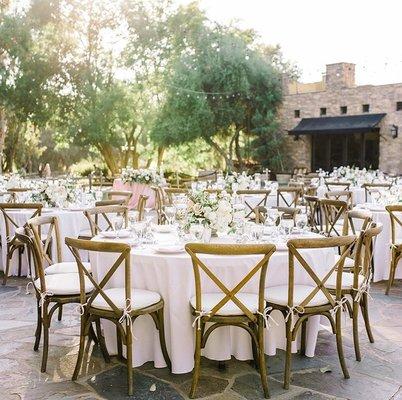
[209, 300]
[139, 299]
[68, 267]
[347, 280]
[64, 284]
[349, 262]
[279, 295]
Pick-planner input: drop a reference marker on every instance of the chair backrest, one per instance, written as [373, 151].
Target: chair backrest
[117, 202]
[52, 237]
[160, 201]
[10, 222]
[119, 195]
[374, 187]
[288, 212]
[297, 256]
[335, 185]
[356, 221]
[104, 213]
[333, 211]
[295, 192]
[142, 202]
[197, 249]
[345, 195]
[170, 193]
[261, 195]
[395, 213]
[122, 252]
[313, 209]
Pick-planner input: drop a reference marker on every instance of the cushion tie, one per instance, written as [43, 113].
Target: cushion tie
[197, 320]
[267, 316]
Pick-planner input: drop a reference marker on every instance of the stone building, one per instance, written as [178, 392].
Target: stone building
[334, 122]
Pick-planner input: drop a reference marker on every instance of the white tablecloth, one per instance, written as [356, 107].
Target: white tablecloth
[172, 276]
[71, 223]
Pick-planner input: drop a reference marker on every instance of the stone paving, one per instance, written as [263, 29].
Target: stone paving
[377, 376]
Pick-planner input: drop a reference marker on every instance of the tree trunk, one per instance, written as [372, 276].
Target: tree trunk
[107, 153]
[3, 133]
[238, 151]
[221, 152]
[161, 151]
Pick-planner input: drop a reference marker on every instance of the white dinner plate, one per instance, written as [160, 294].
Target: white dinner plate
[113, 235]
[172, 249]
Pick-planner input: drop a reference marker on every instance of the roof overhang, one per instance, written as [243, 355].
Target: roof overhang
[338, 125]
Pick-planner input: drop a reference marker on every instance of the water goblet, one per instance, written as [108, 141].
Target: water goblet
[196, 231]
[301, 221]
[287, 225]
[170, 213]
[117, 224]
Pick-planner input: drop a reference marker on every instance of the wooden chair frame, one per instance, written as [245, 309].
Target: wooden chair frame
[122, 319]
[303, 310]
[369, 187]
[297, 192]
[344, 195]
[332, 212]
[253, 323]
[313, 209]
[120, 194]
[396, 248]
[93, 214]
[338, 185]
[12, 244]
[263, 202]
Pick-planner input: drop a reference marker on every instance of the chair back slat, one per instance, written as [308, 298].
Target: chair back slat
[119, 195]
[333, 211]
[344, 195]
[336, 185]
[395, 214]
[296, 194]
[369, 188]
[104, 213]
[261, 195]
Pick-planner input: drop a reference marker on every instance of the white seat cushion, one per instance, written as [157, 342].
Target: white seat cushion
[64, 284]
[139, 299]
[65, 268]
[347, 280]
[279, 295]
[85, 233]
[349, 262]
[209, 300]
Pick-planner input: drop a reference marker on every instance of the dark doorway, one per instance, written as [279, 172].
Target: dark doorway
[357, 149]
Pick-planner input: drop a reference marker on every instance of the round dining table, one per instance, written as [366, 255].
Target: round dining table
[171, 275]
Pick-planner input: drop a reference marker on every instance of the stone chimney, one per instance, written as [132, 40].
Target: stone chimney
[340, 75]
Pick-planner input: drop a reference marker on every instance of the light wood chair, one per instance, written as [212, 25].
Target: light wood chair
[121, 305]
[395, 214]
[117, 202]
[119, 195]
[333, 213]
[97, 215]
[59, 289]
[229, 307]
[12, 243]
[313, 209]
[336, 185]
[356, 283]
[296, 194]
[305, 301]
[142, 202]
[170, 193]
[369, 188]
[344, 195]
[160, 201]
[261, 195]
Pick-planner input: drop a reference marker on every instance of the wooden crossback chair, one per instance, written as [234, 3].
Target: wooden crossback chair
[142, 202]
[59, 289]
[296, 194]
[305, 301]
[119, 195]
[336, 185]
[395, 214]
[12, 243]
[229, 307]
[374, 187]
[122, 305]
[262, 196]
[356, 283]
[313, 209]
[344, 195]
[170, 193]
[117, 202]
[160, 201]
[333, 214]
[104, 213]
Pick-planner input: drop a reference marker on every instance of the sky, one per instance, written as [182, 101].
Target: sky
[313, 33]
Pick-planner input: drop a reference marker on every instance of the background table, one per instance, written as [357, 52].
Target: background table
[137, 189]
[172, 276]
[358, 193]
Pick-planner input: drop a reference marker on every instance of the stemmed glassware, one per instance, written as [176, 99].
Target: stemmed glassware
[117, 224]
[170, 213]
[301, 221]
[287, 225]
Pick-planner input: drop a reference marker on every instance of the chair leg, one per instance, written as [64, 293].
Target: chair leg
[197, 362]
[364, 308]
[355, 322]
[46, 325]
[261, 358]
[254, 347]
[7, 271]
[162, 339]
[288, 361]
[38, 331]
[119, 345]
[80, 351]
[20, 251]
[303, 338]
[92, 335]
[340, 346]
[129, 349]
[391, 278]
[102, 342]
[60, 314]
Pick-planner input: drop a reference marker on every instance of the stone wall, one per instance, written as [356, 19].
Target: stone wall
[382, 99]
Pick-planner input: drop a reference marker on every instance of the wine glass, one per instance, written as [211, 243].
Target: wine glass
[118, 224]
[170, 213]
[257, 232]
[301, 221]
[287, 225]
[133, 217]
[197, 230]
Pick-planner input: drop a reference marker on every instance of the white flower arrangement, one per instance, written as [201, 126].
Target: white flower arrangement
[238, 181]
[54, 193]
[214, 211]
[146, 176]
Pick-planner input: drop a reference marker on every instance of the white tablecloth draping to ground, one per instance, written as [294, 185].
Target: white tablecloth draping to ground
[382, 249]
[71, 223]
[137, 189]
[358, 193]
[172, 276]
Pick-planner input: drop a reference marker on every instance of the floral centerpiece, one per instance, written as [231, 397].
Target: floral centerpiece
[213, 211]
[236, 181]
[145, 176]
[54, 193]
